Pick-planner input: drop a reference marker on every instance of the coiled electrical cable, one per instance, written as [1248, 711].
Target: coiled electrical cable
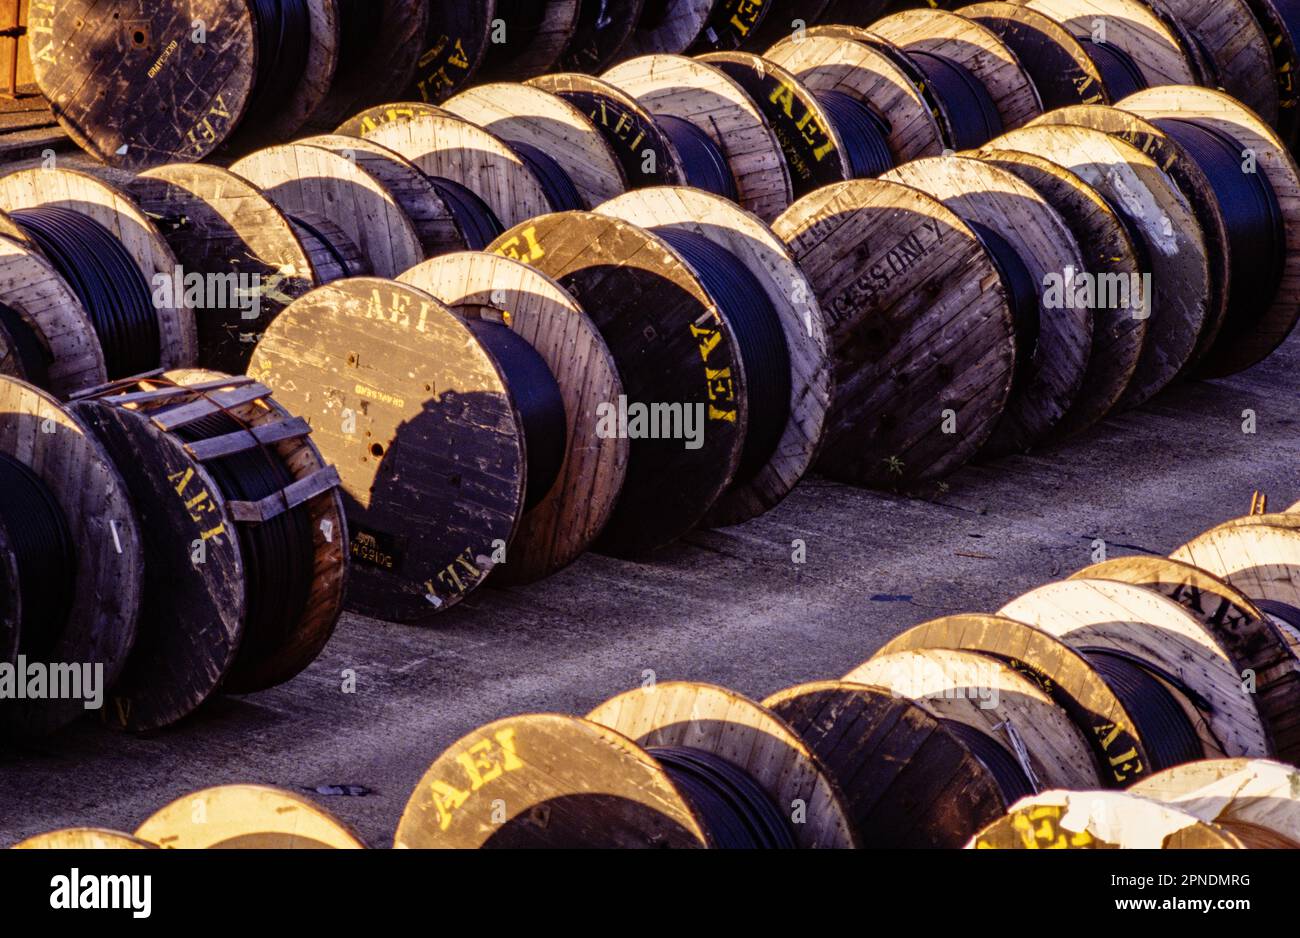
[1166, 731]
[1023, 296]
[477, 222]
[864, 133]
[336, 255]
[560, 191]
[1286, 615]
[27, 348]
[702, 161]
[44, 552]
[104, 276]
[1010, 776]
[763, 348]
[537, 397]
[1251, 213]
[279, 554]
[1119, 73]
[735, 809]
[971, 112]
[283, 29]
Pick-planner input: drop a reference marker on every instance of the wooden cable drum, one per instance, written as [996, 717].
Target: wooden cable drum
[438, 144]
[46, 336]
[140, 87]
[1142, 637]
[693, 727]
[538, 119]
[1057, 63]
[1260, 326]
[363, 122]
[72, 561]
[600, 35]
[908, 780]
[454, 46]
[1232, 41]
[668, 27]
[237, 246]
[247, 817]
[794, 428]
[1033, 740]
[417, 415]
[527, 38]
[1127, 39]
[1253, 640]
[1030, 243]
[1161, 218]
[568, 517]
[1119, 326]
[356, 191]
[84, 838]
[83, 222]
[920, 330]
[815, 153]
[833, 60]
[1245, 796]
[380, 45]
[1193, 182]
[678, 356]
[1280, 22]
[726, 123]
[1100, 820]
[648, 155]
[1117, 742]
[548, 781]
[244, 540]
[974, 48]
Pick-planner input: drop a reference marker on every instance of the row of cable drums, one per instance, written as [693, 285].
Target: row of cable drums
[181, 80]
[1213, 803]
[620, 376]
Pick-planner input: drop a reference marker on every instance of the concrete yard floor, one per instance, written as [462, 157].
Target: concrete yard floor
[727, 607]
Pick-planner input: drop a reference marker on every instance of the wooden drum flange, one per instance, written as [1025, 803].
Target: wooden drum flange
[907, 780]
[417, 418]
[920, 332]
[246, 817]
[579, 504]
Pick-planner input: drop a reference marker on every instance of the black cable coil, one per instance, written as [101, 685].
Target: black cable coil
[477, 222]
[330, 247]
[560, 191]
[1010, 776]
[763, 348]
[1119, 73]
[283, 29]
[1279, 610]
[735, 809]
[279, 554]
[1023, 296]
[1251, 213]
[44, 552]
[1166, 731]
[104, 276]
[537, 396]
[702, 161]
[970, 108]
[864, 134]
[27, 348]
